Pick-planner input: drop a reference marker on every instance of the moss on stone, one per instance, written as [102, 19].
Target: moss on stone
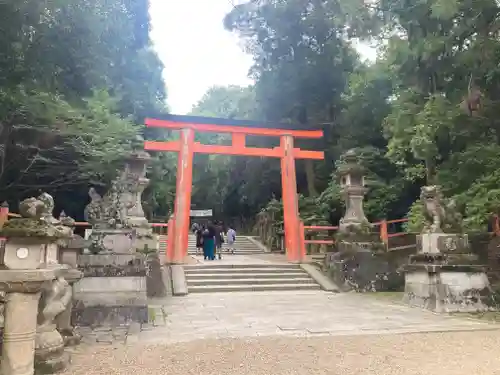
[27, 227]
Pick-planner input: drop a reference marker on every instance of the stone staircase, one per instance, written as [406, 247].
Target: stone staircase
[209, 278]
[243, 246]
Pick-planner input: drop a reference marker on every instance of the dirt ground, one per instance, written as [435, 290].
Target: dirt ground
[451, 353]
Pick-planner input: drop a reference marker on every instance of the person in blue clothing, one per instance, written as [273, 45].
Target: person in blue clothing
[208, 235]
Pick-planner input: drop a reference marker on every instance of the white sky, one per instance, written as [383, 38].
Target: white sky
[197, 51]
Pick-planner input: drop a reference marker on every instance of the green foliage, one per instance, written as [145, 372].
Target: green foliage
[416, 219]
[481, 200]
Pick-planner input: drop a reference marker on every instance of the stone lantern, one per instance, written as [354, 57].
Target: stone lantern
[135, 168]
[117, 218]
[352, 182]
[30, 271]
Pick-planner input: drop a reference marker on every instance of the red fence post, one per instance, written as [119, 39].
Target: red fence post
[302, 248]
[384, 233]
[4, 213]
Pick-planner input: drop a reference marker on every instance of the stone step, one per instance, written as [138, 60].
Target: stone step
[240, 249]
[224, 275]
[223, 271]
[226, 256]
[251, 288]
[229, 255]
[243, 265]
[224, 247]
[247, 249]
[248, 281]
[237, 267]
[236, 246]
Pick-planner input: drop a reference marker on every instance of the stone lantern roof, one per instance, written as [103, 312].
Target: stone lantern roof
[138, 152]
[351, 164]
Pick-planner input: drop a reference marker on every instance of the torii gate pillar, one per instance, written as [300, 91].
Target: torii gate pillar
[184, 187]
[290, 201]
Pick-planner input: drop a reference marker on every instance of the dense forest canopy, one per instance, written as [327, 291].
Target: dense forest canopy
[77, 79]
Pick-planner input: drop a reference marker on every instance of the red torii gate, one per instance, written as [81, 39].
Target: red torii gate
[239, 129]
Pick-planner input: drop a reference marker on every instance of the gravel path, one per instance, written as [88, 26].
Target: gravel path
[451, 353]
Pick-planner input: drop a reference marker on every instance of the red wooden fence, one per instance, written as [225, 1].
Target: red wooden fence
[383, 229]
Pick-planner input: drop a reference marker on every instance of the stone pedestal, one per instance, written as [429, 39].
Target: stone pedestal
[23, 289]
[435, 279]
[442, 243]
[446, 288]
[112, 291]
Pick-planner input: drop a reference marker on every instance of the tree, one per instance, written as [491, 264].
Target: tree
[443, 52]
[76, 77]
[299, 49]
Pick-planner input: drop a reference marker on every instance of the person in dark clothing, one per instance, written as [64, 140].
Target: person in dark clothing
[209, 242]
[219, 239]
[199, 239]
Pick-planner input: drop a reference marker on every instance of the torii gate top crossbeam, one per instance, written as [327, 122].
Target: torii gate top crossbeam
[212, 128]
[238, 146]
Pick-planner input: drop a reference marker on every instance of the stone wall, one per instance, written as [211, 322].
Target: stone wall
[364, 269]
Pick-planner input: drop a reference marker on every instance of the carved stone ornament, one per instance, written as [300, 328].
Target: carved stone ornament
[49, 344]
[441, 215]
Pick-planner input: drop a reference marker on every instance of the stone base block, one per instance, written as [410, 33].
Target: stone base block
[445, 288]
[363, 270]
[131, 284]
[109, 301]
[101, 315]
[179, 283]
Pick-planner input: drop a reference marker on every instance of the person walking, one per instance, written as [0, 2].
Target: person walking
[209, 242]
[219, 239]
[231, 239]
[199, 239]
[195, 227]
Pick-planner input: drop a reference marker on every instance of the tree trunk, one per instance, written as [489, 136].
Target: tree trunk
[311, 178]
[430, 171]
